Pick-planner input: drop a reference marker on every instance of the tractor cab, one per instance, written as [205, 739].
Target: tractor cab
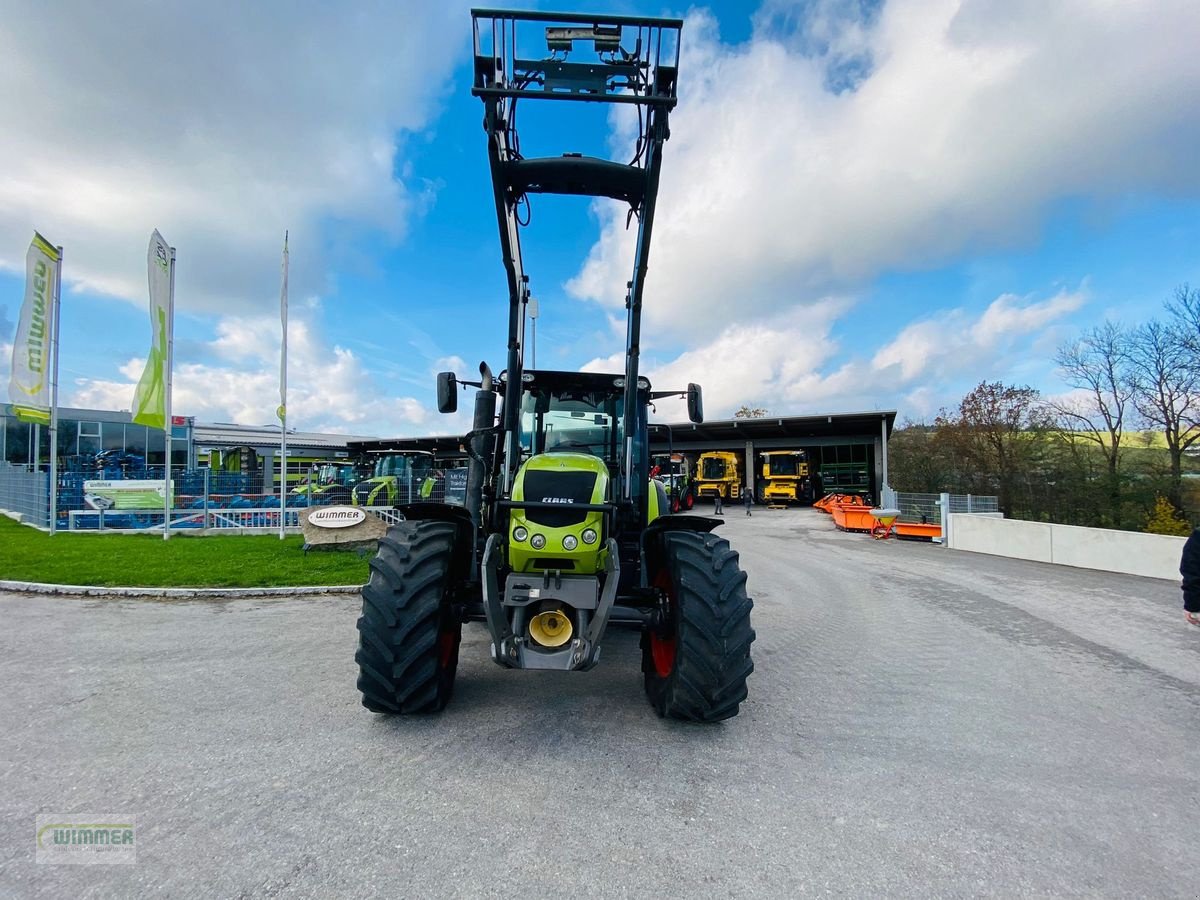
[579, 412]
[330, 482]
[334, 474]
[396, 477]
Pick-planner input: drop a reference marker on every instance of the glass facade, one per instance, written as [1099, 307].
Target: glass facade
[82, 434]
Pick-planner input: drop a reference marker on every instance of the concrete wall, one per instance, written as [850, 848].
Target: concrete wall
[1150, 555]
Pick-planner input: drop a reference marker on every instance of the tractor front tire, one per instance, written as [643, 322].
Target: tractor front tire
[697, 658]
[408, 632]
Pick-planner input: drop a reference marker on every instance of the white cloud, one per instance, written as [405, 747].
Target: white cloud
[975, 115]
[220, 127]
[957, 341]
[8, 330]
[329, 389]
[455, 364]
[1005, 316]
[793, 365]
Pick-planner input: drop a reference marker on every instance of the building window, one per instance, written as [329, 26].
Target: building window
[155, 446]
[88, 439]
[17, 441]
[114, 436]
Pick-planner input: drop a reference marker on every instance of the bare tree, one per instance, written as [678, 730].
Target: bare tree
[1098, 366]
[995, 430]
[1166, 372]
[747, 412]
[1184, 310]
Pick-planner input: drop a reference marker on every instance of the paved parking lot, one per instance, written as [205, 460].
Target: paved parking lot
[920, 721]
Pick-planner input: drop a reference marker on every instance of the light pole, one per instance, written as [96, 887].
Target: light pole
[533, 316]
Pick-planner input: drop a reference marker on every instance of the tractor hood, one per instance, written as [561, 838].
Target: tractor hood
[571, 539]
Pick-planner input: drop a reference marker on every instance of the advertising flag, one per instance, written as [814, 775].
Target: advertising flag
[29, 384]
[150, 397]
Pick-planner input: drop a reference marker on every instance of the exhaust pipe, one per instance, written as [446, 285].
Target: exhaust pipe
[482, 443]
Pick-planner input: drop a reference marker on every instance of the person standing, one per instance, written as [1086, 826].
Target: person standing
[747, 498]
[718, 505]
[1189, 568]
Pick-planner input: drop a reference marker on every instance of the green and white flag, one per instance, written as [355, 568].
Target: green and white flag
[29, 383]
[150, 397]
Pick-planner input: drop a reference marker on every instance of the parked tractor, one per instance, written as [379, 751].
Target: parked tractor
[328, 483]
[785, 477]
[674, 471]
[719, 474]
[397, 477]
[563, 533]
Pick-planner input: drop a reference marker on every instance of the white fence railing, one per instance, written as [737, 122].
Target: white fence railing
[229, 521]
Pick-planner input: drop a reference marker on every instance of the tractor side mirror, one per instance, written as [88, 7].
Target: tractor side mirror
[447, 392]
[695, 403]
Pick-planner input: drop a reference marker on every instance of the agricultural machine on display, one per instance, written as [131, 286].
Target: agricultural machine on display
[675, 473]
[398, 477]
[786, 477]
[563, 531]
[719, 474]
[328, 484]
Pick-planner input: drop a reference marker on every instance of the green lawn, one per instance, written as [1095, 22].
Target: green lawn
[136, 560]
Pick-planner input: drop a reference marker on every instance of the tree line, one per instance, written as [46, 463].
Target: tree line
[1114, 452]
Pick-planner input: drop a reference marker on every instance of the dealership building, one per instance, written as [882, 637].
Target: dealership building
[847, 451]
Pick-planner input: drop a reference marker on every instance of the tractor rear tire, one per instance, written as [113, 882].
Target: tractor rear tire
[408, 632]
[696, 662]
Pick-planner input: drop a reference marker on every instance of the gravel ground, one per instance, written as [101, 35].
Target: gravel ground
[921, 722]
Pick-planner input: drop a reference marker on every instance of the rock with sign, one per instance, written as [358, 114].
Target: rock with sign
[341, 528]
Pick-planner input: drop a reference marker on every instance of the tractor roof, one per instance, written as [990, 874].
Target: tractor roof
[587, 381]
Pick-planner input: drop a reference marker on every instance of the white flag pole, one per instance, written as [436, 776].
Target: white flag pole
[283, 315]
[167, 425]
[54, 395]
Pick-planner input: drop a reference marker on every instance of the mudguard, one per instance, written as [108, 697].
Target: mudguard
[444, 512]
[652, 539]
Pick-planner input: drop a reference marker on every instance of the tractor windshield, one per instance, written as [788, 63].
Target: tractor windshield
[580, 420]
[713, 468]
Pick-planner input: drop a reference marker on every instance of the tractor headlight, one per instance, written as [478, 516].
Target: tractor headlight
[538, 541]
[520, 533]
[589, 535]
[570, 542]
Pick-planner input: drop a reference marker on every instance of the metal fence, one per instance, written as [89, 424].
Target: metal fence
[25, 491]
[927, 508]
[202, 499]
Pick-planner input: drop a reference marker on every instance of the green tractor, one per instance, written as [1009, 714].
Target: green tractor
[675, 472]
[328, 483]
[396, 478]
[563, 532]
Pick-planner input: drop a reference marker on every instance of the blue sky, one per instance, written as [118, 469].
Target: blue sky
[864, 205]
